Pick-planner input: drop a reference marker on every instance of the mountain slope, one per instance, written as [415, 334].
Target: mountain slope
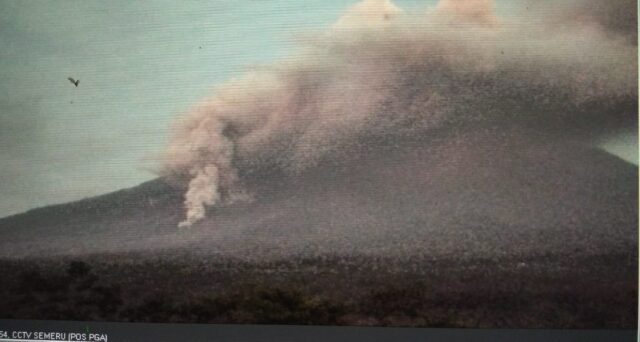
[478, 196]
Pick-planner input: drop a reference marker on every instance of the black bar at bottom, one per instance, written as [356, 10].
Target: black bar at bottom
[141, 332]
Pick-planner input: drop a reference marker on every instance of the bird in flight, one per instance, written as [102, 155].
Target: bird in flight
[75, 82]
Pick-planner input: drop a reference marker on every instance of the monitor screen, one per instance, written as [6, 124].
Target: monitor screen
[328, 170]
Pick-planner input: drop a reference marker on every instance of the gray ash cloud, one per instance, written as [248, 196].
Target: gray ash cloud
[382, 74]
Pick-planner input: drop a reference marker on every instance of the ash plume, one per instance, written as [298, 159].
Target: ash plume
[380, 73]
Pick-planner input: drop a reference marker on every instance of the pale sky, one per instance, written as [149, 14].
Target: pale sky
[140, 65]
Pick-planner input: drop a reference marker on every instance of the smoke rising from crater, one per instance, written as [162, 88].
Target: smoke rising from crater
[381, 72]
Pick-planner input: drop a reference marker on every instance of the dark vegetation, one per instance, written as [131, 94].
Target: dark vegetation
[543, 291]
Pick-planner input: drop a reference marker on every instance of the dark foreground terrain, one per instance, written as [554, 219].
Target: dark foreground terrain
[549, 291]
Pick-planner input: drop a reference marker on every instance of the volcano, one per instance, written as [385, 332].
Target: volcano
[470, 196]
[481, 229]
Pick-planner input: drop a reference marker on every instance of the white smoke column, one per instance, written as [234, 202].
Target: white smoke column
[203, 190]
[207, 155]
[380, 74]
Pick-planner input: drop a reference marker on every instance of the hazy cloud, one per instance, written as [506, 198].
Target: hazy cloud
[400, 75]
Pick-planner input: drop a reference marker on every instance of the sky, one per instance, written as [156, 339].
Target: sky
[140, 65]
